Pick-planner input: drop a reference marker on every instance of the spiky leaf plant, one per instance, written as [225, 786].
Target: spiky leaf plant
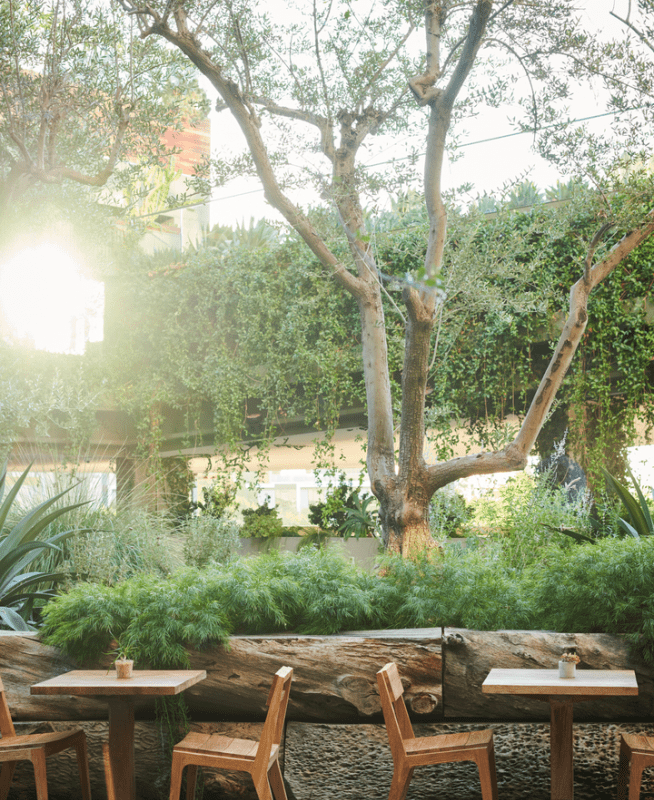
[22, 583]
[637, 521]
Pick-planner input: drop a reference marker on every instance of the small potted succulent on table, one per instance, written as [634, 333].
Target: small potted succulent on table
[568, 663]
[123, 662]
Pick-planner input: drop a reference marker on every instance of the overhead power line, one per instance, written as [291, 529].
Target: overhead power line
[515, 133]
[406, 158]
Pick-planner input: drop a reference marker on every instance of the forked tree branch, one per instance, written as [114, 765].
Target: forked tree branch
[514, 456]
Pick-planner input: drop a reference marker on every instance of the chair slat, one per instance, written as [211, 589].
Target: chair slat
[6, 723]
[35, 739]
[36, 747]
[259, 758]
[394, 681]
[410, 752]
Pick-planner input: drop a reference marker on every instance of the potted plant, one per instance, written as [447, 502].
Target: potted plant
[123, 661]
[567, 664]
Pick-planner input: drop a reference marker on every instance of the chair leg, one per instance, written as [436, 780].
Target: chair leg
[108, 773]
[176, 777]
[262, 788]
[191, 781]
[277, 781]
[400, 783]
[40, 774]
[83, 766]
[6, 774]
[487, 773]
[623, 771]
[638, 764]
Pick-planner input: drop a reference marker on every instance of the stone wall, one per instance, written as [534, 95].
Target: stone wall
[335, 743]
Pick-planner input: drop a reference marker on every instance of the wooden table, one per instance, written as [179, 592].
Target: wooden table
[561, 693]
[119, 695]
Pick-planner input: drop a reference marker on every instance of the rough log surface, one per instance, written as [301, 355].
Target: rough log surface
[334, 677]
[24, 661]
[349, 762]
[470, 655]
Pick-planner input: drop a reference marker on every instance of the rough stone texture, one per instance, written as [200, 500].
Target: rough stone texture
[468, 657]
[349, 762]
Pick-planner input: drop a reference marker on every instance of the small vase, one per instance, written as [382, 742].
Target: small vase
[124, 669]
[567, 669]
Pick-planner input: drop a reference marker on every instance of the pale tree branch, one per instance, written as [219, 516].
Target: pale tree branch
[316, 38]
[478, 22]
[632, 27]
[592, 247]
[520, 61]
[514, 456]
[455, 49]
[322, 123]
[379, 71]
[249, 123]
[57, 174]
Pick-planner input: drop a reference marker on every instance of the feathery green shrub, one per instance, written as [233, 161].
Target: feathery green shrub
[605, 587]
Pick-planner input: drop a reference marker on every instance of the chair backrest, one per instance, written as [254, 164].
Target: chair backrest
[391, 693]
[6, 724]
[277, 703]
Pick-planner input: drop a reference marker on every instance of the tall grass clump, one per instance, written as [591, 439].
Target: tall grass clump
[526, 515]
[209, 540]
[110, 546]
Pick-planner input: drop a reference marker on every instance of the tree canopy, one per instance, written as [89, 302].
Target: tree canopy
[311, 86]
[80, 94]
[347, 72]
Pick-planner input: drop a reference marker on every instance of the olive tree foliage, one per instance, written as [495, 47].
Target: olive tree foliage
[80, 92]
[314, 84]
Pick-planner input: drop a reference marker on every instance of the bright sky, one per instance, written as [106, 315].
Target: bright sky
[487, 164]
[45, 300]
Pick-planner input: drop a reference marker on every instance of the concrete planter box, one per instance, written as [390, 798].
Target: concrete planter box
[363, 551]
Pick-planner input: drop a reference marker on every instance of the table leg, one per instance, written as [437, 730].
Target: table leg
[121, 746]
[562, 787]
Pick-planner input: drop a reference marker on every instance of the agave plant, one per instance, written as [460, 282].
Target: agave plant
[20, 549]
[360, 520]
[637, 521]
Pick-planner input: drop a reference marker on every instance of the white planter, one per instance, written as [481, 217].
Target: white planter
[363, 551]
[567, 669]
[124, 669]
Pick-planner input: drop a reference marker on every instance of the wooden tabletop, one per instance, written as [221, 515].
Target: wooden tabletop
[546, 681]
[103, 682]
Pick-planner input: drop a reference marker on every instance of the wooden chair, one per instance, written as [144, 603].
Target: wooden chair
[636, 753]
[260, 758]
[410, 752]
[36, 747]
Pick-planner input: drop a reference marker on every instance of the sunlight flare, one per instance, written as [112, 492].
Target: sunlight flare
[47, 303]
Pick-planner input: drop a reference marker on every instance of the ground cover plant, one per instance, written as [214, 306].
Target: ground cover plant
[582, 588]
